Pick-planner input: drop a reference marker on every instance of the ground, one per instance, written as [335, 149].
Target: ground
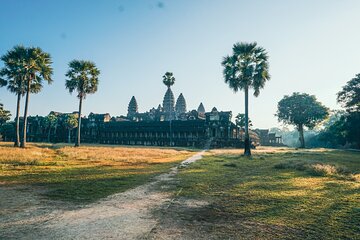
[138, 193]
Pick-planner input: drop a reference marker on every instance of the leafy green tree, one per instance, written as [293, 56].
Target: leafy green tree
[240, 120]
[7, 130]
[70, 123]
[246, 68]
[50, 121]
[349, 96]
[301, 109]
[82, 78]
[12, 75]
[4, 115]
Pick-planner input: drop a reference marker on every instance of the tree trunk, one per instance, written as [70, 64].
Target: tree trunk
[77, 143]
[247, 151]
[69, 135]
[17, 130]
[301, 136]
[23, 142]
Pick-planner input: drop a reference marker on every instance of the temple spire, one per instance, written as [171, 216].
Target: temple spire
[180, 106]
[133, 107]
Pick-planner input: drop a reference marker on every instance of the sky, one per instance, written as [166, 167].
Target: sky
[313, 47]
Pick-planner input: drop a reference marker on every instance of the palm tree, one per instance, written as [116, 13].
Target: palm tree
[13, 75]
[82, 78]
[70, 122]
[50, 122]
[36, 67]
[169, 80]
[246, 68]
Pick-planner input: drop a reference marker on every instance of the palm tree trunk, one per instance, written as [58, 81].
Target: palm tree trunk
[17, 130]
[247, 151]
[301, 136]
[77, 143]
[23, 142]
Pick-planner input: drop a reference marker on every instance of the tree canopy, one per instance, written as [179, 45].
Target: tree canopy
[349, 96]
[168, 79]
[4, 115]
[301, 109]
[83, 77]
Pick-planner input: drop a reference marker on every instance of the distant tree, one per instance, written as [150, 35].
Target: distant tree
[246, 68]
[168, 79]
[70, 123]
[349, 124]
[82, 78]
[349, 96]
[51, 121]
[240, 120]
[12, 75]
[7, 130]
[4, 115]
[301, 109]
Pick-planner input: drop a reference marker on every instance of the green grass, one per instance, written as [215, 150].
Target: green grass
[274, 194]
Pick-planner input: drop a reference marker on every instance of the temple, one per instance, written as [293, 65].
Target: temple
[169, 124]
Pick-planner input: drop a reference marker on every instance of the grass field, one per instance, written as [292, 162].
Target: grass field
[84, 174]
[277, 193]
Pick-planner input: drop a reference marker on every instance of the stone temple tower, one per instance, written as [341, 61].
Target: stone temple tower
[180, 107]
[169, 100]
[201, 110]
[168, 105]
[132, 108]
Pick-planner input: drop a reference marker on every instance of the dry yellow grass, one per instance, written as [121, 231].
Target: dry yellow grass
[85, 156]
[86, 173]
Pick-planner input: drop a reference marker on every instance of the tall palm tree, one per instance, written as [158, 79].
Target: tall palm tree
[12, 75]
[169, 80]
[82, 78]
[36, 67]
[246, 68]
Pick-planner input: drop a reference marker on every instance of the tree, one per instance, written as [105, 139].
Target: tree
[12, 75]
[240, 120]
[169, 100]
[246, 68]
[82, 78]
[50, 122]
[7, 130]
[349, 96]
[168, 79]
[70, 123]
[301, 109]
[34, 66]
[4, 117]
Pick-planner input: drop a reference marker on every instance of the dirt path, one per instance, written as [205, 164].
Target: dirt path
[125, 215]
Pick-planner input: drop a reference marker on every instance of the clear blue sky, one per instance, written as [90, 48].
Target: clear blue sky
[314, 47]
